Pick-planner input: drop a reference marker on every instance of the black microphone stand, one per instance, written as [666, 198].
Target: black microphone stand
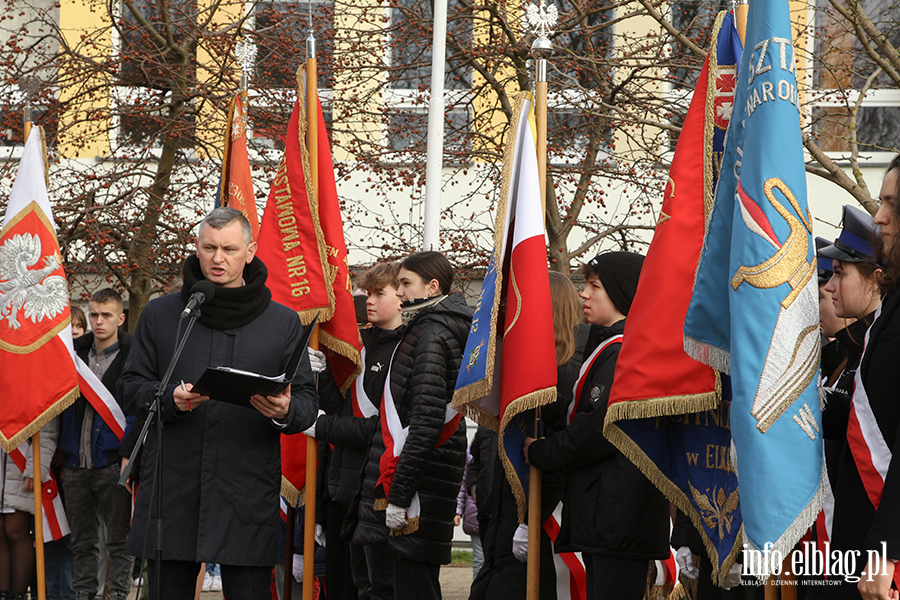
[155, 411]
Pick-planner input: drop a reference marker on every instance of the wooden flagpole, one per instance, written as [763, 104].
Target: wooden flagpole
[36, 451]
[541, 50]
[312, 142]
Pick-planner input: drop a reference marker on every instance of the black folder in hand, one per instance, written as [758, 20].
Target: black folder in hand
[236, 386]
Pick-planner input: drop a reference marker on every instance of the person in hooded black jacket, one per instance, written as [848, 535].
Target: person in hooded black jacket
[429, 469]
[611, 514]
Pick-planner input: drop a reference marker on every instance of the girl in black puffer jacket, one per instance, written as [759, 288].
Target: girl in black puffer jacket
[418, 485]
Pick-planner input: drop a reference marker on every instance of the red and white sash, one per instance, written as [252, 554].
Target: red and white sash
[870, 451]
[571, 581]
[55, 521]
[395, 435]
[363, 406]
[100, 398]
[585, 369]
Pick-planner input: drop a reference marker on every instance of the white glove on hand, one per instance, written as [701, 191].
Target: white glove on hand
[320, 535]
[316, 360]
[311, 432]
[297, 568]
[684, 558]
[520, 543]
[395, 517]
[734, 576]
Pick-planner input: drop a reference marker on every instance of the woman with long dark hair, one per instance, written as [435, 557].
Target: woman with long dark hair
[867, 486]
[425, 455]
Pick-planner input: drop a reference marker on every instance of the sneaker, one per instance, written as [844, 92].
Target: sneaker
[216, 585]
[207, 582]
[137, 581]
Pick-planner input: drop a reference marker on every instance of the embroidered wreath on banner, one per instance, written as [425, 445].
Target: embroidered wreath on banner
[34, 291]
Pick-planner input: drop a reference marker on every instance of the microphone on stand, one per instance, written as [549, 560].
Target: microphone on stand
[201, 292]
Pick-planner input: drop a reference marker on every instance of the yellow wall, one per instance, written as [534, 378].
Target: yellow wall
[355, 101]
[84, 128]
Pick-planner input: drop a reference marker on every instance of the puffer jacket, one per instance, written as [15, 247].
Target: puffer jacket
[423, 377]
[465, 504]
[12, 492]
[610, 508]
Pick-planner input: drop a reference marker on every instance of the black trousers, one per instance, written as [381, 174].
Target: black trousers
[614, 578]
[416, 581]
[380, 567]
[178, 580]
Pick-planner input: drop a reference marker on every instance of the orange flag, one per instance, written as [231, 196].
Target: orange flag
[236, 186]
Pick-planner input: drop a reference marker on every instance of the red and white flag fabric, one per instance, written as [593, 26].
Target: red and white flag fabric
[55, 521]
[301, 242]
[236, 185]
[499, 381]
[34, 307]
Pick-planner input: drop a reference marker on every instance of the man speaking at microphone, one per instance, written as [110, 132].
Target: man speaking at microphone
[221, 471]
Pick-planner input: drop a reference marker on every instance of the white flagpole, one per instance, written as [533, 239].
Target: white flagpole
[435, 155]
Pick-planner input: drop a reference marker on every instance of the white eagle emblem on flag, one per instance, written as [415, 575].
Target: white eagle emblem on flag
[39, 293]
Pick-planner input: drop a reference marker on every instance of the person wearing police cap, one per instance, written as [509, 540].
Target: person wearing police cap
[855, 294]
[612, 514]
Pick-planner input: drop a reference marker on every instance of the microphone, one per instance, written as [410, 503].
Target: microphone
[200, 293]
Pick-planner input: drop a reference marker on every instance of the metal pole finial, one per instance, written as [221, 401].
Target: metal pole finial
[543, 19]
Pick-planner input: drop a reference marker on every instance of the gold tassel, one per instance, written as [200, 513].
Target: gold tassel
[10, 444]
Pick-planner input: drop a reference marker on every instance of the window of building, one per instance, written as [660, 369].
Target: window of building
[842, 72]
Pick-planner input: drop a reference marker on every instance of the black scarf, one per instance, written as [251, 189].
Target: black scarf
[230, 308]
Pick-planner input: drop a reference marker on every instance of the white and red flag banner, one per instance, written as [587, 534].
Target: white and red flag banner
[499, 381]
[37, 372]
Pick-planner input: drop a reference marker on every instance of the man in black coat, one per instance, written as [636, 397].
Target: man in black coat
[221, 462]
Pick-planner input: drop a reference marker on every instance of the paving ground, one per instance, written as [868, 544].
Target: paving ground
[455, 582]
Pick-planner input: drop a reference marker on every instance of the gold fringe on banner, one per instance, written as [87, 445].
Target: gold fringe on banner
[339, 346]
[10, 444]
[295, 497]
[519, 405]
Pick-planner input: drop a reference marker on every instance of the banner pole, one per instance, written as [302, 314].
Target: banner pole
[541, 50]
[741, 9]
[312, 142]
[38, 514]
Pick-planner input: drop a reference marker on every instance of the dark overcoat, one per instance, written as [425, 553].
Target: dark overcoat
[221, 462]
[857, 525]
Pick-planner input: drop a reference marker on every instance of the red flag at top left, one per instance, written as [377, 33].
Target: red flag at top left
[236, 184]
[37, 373]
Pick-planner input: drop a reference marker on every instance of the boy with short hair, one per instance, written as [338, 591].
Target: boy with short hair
[91, 462]
[350, 423]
